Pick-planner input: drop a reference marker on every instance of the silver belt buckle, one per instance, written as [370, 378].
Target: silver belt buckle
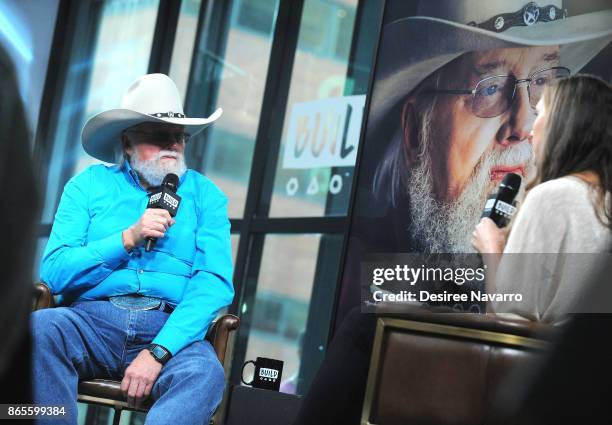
[135, 302]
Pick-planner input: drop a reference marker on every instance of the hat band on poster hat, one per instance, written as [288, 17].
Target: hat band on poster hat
[528, 15]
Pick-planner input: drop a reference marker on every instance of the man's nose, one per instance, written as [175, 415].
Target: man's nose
[172, 143]
[520, 118]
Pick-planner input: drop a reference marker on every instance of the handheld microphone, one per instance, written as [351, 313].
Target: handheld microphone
[499, 206]
[165, 198]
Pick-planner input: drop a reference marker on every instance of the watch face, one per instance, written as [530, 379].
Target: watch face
[159, 353]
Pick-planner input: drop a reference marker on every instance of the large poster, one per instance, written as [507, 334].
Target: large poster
[452, 103]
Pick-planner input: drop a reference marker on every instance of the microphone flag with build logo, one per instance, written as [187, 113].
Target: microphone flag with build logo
[165, 198]
[500, 204]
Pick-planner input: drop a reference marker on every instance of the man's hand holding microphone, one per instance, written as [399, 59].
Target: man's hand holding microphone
[153, 223]
[157, 218]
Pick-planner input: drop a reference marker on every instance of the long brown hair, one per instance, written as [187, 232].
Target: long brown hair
[578, 135]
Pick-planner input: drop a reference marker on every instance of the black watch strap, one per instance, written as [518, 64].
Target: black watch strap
[159, 353]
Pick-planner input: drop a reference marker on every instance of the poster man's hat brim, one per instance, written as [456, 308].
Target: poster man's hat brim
[413, 48]
[151, 98]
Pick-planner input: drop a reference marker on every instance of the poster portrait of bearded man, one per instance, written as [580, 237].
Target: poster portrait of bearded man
[455, 104]
[451, 107]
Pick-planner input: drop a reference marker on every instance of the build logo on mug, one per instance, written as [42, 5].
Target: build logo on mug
[268, 373]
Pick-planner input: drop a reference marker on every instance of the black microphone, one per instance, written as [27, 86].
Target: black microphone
[500, 204]
[165, 198]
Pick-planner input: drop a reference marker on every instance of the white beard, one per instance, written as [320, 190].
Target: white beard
[154, 170]
[446, 227]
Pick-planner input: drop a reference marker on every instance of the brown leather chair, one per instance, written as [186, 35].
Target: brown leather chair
[108, 392]
[445, 368]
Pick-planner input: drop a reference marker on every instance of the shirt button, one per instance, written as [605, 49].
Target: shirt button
[141, 271]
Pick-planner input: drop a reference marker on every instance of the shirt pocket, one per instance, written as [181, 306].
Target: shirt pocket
[180, 238]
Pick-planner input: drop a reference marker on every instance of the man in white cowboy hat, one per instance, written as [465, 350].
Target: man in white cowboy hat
[455, 92]
[453, 134]
[131, 314]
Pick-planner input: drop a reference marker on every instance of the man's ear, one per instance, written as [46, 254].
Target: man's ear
[410, 131]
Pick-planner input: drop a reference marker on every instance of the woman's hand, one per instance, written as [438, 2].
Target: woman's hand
[487, 238]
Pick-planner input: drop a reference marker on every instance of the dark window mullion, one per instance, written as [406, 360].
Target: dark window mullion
[166, 24]
[299, 225]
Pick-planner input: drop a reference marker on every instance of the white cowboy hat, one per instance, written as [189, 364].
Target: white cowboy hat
[151, 98]
[413, 48]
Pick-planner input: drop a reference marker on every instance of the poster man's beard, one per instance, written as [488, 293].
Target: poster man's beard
[155, 169]
[446, 226]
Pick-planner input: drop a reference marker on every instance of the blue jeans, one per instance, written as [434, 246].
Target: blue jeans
[95, 339]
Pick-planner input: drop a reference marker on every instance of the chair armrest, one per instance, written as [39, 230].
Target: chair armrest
[42, 297]
[219, 331]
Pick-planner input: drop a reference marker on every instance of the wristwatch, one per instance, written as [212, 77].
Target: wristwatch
[159, 353]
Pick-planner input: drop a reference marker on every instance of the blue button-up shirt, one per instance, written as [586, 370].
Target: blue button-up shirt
[190, 267]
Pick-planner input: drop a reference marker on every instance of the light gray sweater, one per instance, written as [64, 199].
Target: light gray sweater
[556, 243]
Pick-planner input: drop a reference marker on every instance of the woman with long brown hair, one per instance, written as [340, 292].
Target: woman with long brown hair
[567, 209]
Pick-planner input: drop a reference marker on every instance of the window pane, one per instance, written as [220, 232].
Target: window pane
[237, 78]
[183, 44]
[257, 15]
[280, 311]
[235, 239]
[40, 249]
[323, 117]
[121, 49]
[26, 33]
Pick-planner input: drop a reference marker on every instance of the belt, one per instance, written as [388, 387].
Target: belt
[140, 303]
